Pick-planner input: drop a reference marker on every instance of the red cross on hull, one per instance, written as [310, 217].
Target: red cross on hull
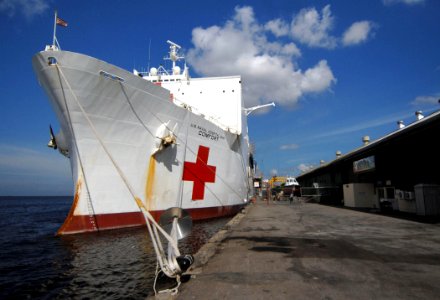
[199, 172]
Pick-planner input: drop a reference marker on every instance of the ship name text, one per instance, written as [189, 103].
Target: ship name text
[208, 134]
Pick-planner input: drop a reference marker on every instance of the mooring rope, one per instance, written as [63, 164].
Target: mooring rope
[169, 270]
[169, 266]
[90, 208]
[178, 139]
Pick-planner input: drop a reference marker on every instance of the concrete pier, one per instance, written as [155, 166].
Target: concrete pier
[312, 251]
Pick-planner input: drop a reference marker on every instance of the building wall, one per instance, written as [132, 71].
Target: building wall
[403, 161]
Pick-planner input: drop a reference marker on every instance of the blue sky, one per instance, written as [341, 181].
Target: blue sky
[337, 70]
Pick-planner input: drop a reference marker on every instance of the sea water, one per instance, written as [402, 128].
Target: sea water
[114, 264]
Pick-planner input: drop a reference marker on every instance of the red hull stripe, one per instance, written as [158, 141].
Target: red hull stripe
[76, 224]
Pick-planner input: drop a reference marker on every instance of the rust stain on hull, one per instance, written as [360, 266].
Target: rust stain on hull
[150, 183]
[70, 216]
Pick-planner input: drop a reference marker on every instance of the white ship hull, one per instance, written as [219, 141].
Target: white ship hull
[111, 119]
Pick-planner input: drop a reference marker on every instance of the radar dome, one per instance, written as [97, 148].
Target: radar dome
[153, 71]
[176, 70]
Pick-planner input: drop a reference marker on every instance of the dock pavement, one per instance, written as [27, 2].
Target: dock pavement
[302, 250]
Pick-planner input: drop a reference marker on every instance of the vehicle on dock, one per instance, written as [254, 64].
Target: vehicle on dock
[291, 187]
[284, 187]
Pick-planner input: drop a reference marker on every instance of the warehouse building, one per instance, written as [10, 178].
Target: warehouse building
[398, 172]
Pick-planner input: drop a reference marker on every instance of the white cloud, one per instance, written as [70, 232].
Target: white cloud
[305, 167]
[426, 100]
[289, 147]
[274, 172]
[313, 29]
[30, 162]
[241, 46]
[317, 78]
[24, 171]
[291, 49]
[363, 125]
[408, 2]
[278, 27]
[29, 8]
[357, 33]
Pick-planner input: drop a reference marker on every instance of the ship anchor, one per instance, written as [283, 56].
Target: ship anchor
[165, 137]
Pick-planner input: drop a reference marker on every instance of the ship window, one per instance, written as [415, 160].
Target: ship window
[232, 90]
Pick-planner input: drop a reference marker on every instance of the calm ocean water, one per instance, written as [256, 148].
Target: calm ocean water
[36, 264]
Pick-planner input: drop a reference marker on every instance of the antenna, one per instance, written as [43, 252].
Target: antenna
[173, 52]
[173, 44]
[149, 55]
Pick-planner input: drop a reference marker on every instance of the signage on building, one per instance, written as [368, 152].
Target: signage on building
[257, 182]
[364, 164]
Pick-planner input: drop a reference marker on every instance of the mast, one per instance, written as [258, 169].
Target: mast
[55, 28]
[173, 53]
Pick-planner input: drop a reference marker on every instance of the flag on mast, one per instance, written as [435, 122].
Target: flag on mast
[61, 22]
[57, 21]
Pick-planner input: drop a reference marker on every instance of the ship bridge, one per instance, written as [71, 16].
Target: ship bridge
[217, 99]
